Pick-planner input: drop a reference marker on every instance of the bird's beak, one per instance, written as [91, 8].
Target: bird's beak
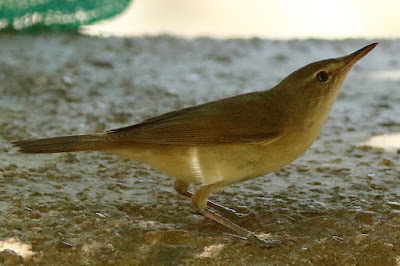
[351, 59]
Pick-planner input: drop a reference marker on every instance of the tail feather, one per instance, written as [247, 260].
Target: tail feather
[64, 144]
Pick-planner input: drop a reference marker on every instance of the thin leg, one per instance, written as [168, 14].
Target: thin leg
[182, 188]
[225, 222]
[239, 230]
[199, 200]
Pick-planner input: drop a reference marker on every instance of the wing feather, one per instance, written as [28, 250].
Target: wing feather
[248, 118]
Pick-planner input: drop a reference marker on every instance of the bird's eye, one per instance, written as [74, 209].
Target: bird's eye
[322, 76]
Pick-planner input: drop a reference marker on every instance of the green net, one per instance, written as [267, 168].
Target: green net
[55, 15]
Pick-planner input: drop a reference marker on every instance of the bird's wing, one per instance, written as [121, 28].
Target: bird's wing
[246, 118]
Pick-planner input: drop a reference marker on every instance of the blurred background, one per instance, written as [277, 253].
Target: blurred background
[283, 19]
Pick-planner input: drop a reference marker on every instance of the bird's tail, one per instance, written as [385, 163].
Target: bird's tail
[73, 143]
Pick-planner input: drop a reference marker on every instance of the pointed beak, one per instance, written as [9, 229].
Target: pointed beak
[351, 59]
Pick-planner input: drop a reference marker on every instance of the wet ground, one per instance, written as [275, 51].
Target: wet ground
[340, 201]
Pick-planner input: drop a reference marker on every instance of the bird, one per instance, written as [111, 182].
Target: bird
[222, 142]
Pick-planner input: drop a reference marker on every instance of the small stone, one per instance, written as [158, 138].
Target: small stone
[304, 249]
[110, 247]
[371, 176]
[35, 215]
[10, 257]
[11, 166]
[194, 219]
[101, 215]
[108, 231]
[67, 79]
[59, 228]
[63, 244]
[339, 239]
[336, 160]
[101, 62]
[305, 261]
[394, 204]
[153, 236]
[146, 224]
[15, 252]
[323, 240]
[211, 251]
[36, 229]
[53, 213]
[15, 222]
[387, 162]
[360, 238]
[365, 216]
[365, 147]
[388, 246]
[302, 168]
[50, 175]
[146, 207]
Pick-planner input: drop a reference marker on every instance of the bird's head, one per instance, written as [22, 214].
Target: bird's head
[312, 90]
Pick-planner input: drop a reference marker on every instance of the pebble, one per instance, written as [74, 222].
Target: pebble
[36, 229]
[323, 240]
[10, 257]
[388, 246]
[302, 168]
[365, 216]
[211, 251]
[63, 244]
[110, 247]
[394, 204]
[53, 213]
[15, 222]
[360, 238]
[146, 207]
[35, 215]
[371, 176]
[387, 162]
[145, 224]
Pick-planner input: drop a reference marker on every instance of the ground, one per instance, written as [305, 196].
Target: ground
[340, 201]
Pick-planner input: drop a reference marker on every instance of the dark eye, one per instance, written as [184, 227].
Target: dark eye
[322, 76]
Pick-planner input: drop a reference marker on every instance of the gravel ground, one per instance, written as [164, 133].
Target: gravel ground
[340, 200]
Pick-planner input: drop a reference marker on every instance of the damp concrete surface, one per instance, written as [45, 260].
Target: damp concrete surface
[338, 204]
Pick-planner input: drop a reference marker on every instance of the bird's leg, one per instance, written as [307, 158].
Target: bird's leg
[199, 200]
[182, 188]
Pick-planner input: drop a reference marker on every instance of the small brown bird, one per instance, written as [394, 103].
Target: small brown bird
[226, 141]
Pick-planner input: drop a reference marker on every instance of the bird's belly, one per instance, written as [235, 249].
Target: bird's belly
[209, 164]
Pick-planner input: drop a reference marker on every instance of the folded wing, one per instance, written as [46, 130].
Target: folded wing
[242, 119]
